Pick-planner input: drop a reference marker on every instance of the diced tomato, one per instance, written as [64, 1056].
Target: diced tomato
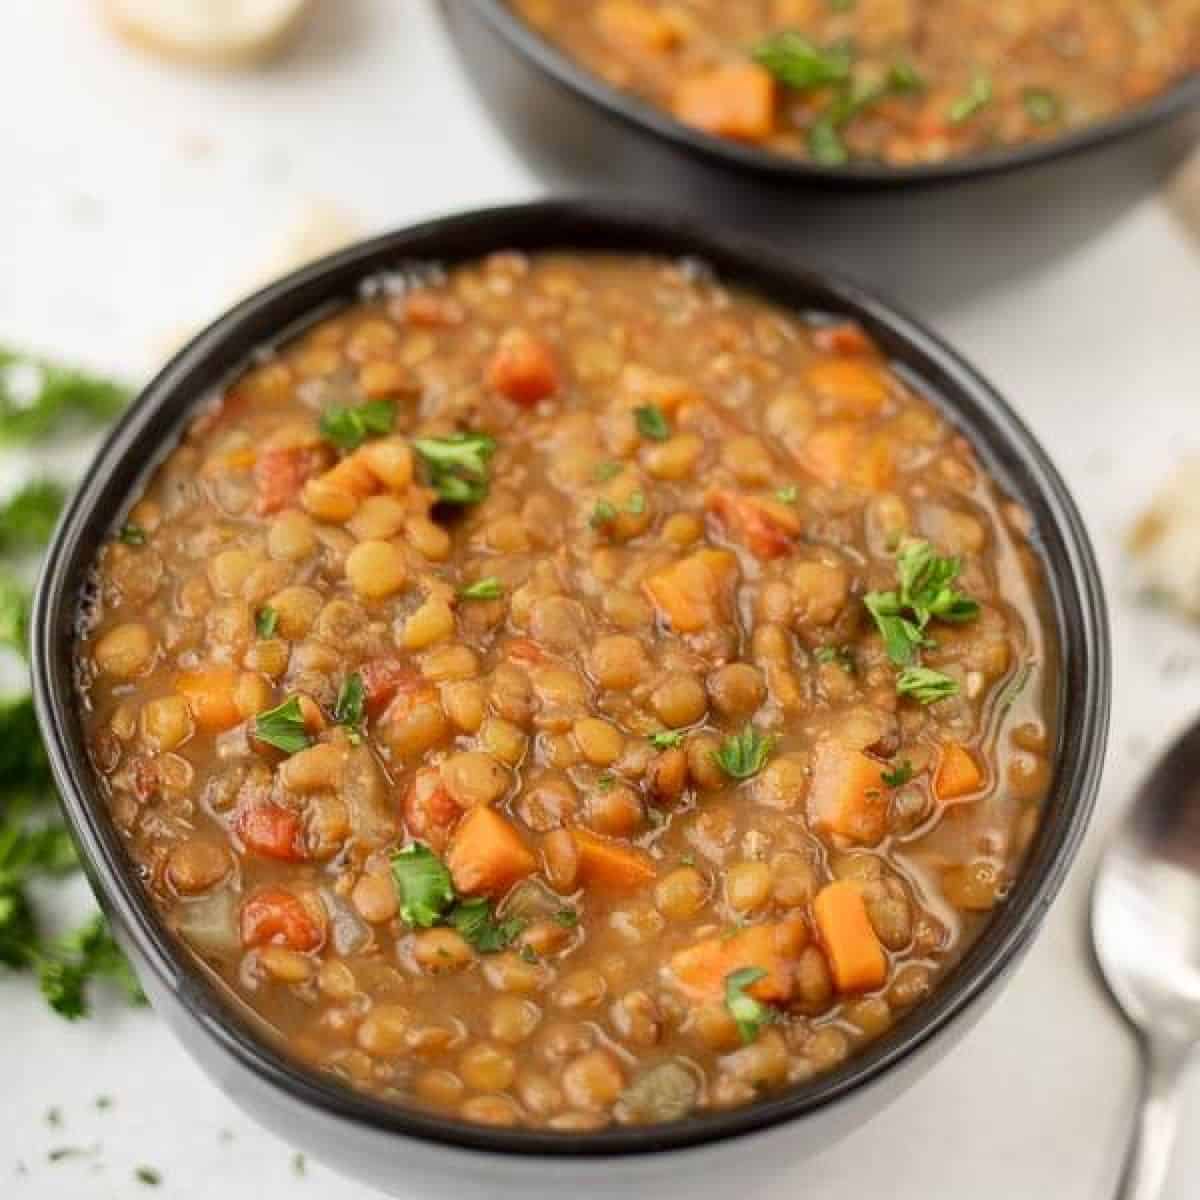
[523, 368]
[279, 475]
[278, 917]
[766, 527]
[429, 810]
[270, 830]
[382, 679]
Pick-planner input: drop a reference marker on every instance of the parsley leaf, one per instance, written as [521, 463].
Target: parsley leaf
[798, 63]
[457, 465]
[899, 775]
[283, 727]
[27, 518]
[902, 636]
[14, 614]
[825, 143]
[476, 922]
[604, 513]
[131, 535]
[70, 963]
[666, 739]
[748, 1013]
[787, 495]
[636, 504]
[487, 588]
[266, 622]
[925, 685]
[1043, 106]
[38, 399]
[743, 755]
[348, 428]
[842, 655]
[423, 884]
[977, 96]
[348, 707]
[568, 918]
[608, 470]
[652, 423]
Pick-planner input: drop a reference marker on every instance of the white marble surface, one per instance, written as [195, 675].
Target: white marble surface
[134, 197]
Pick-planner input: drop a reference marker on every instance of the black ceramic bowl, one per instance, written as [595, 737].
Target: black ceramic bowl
[389, 1146]
[934, 232]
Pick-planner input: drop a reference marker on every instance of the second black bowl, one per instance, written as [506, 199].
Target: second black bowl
[934, 233]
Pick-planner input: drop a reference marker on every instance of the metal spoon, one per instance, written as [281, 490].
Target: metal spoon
[1146, 932]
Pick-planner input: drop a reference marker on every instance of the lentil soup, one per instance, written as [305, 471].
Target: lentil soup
[901, 82]
[569, 691]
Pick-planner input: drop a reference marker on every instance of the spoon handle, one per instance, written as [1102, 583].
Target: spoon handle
[1149, 1155]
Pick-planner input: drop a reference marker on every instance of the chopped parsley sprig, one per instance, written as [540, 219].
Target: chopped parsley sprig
[348, 428]
[457, 465]
[749, 1013]
[743, 755]
[283, 727]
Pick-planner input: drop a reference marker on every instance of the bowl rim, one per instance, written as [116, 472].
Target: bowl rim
[150, 427]
[1183, 94]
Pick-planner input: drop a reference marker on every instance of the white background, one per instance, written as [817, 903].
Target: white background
[134, 197]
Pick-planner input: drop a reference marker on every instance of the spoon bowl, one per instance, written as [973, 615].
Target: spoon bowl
[1146, 934]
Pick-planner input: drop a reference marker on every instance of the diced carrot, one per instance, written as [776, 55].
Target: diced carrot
[271, 831]
[696, 592]
[382, 678]
[736, 100]
[766, 526]
[958, 773]
[840, 454]
[209, 692]
[853, 387]
[278, 917]
[635, 27]
[281, 473]
[430, 812]
[607, 864]
[847, 338]
[856, 957]
[486, 854]
[700, 970]
[847, 795]
[523, 368]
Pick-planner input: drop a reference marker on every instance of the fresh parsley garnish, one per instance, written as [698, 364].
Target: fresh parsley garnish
[348, 707]
[977, 96]
[825, 143]
[608, 470]
[925, 685]
[457, 465]
[604, 512]
[798, 63]
[652, 423]
[636, 504]
[27, 517]
[39, 399]
[131, 535]
[283, 727]
[787, 495]
[423, 884]
[14, 614]
[477, 923]
[926, 591]
[266, 622]
[748, 1013]
[843, 656]
[488, 588]
[348, 428]
[568, 918]
[1043, 106]
[743, 755]
[666, 739]
[899, 775]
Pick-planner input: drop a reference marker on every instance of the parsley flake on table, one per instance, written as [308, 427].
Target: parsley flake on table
[749, 1014]
[283, 727]
[743, 755]
[457, 465]
[348, 428]
[423, 884]
[39, 399]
